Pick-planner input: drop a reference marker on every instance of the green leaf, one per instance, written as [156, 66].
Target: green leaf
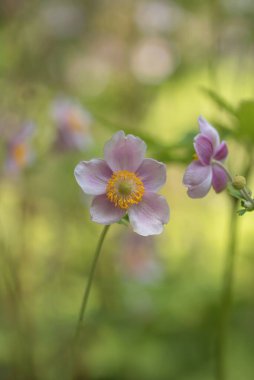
[219, 101]
[234, 192]
[242, 211]
[124, 221]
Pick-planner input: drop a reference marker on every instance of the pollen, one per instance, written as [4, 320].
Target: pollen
[125, 189]
[74, 122]
[195, 157]
[20, 153]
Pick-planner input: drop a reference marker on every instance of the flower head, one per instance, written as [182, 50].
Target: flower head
[138, 259]
[73, 126]
[206, 170]
[125, 183]
[19, 151]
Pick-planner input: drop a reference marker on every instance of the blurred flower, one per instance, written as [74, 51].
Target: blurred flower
[238, 7]
[73, 126]
[125, 182]
[158, 16]
[153, 60]
[19, 151]
[61, 19]
[138, 258]
[89, 73]
[207, 169]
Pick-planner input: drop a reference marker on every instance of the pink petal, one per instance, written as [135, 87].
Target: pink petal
[210, 132]
[198, 179]
[104, 212]
[203, 148]
[220, 178]
[152, 173]
[124, 152]
[221, 152]
[149, 216]
[25, 133]
[92, 176]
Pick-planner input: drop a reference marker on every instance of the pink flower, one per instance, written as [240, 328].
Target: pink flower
[206, 170]
[73, 126]
[138, 259]
[19, 151]
[125, 183]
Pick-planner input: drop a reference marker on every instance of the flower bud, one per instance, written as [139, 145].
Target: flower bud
[248, 205]
[239, 182]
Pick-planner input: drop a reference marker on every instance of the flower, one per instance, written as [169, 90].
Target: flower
[138, 259]
[125, 183]
[19, 151]
[206, 170]
[73, 126]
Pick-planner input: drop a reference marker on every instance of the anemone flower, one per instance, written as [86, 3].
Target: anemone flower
[206, 170]
[73, 126]
[125, 182]
[138, 259]
[19, 150]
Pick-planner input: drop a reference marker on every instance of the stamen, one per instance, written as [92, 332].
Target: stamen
[124, 189]
[19, 153]
[74, 122]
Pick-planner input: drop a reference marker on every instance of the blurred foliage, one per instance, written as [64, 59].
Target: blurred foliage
[149, 68]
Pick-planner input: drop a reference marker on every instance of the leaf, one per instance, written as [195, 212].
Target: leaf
[241, 212]
[234, 192]
[219, 101]
[124, 221]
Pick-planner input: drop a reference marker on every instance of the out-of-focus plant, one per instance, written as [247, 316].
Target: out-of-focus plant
[73, 126]
[19, 151]
[138, 259]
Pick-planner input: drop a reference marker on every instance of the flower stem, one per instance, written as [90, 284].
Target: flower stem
[90, 280]
[226, 296]
[246, 195]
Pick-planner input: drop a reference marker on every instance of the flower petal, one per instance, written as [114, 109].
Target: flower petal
[148, 216]
[209, 131]
[92, 176]
[103, 211]
[25, 133]
[203, 148]
[152, 173]
[124, 152]
[198, 179]
[220, 178]
[221, 152]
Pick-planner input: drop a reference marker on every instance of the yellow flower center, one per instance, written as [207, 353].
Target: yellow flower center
[195, 157]
[20, 153]
[74, 122]
[124, 189]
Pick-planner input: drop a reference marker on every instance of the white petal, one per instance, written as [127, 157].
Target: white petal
[104, 212]
[152, 173]
[124, 152]
[149, 216]
[92, 176]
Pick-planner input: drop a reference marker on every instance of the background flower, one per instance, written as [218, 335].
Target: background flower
[73, 124]
[19, 151]
[138, 259]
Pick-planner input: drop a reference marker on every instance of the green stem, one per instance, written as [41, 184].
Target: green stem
[246, 195]
[226, 297]
[90, 280]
